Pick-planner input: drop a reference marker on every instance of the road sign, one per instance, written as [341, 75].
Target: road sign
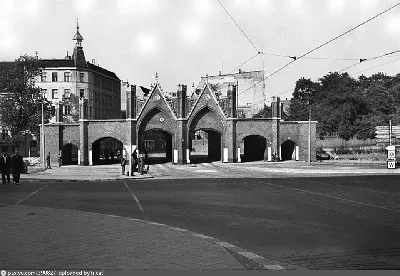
[391, 164]
[391, 154]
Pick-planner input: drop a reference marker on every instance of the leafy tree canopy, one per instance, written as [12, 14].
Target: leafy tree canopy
[345, 106]
[20, 100]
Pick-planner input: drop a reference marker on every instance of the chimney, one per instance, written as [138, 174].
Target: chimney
[240, 71]
[93, 61]
[220, 73]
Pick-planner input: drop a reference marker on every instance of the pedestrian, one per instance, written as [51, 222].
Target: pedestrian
[17, 165]
[134, 159]
[48, 161]
[5, 166]
[146, 158]
[123, 163]
[140, 164]
[59, 160]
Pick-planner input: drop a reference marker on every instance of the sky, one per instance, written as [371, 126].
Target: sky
[183, 40]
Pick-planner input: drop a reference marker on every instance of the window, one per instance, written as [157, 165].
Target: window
[54, 93]
[82, 93]
[43, 77]
[54, 76]
[82, 77]
[67, 110]
[90, 112]
[67, 76]
[67, 93]
[44, 92]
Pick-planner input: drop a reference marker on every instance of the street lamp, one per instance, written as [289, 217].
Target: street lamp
[43, 136]
[309, 133]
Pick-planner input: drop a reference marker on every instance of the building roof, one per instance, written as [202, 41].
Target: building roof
[54, 63]
[58, 63]
[102, 70]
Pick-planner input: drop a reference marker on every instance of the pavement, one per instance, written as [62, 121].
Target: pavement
[48, 238]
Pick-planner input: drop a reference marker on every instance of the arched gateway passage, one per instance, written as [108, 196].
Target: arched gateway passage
[69, 155]
[287, 150]
[253, 148]
[205, 146]
[158, 144]
[106, 151]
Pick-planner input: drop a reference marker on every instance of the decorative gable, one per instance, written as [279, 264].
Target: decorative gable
[156, 100]
[207, 99]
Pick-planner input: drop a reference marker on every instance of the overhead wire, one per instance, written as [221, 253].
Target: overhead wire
[320, 46]
[244, 63]
[238, 26]
[369, 59]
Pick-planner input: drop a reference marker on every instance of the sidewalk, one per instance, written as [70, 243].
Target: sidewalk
[80, 173]
[47, 238]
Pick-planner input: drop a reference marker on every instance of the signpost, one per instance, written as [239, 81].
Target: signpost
[391, 157]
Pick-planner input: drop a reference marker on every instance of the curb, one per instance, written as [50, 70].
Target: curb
[248, 259]
[47, 180]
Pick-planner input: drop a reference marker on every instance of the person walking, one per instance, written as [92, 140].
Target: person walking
[134, 159]
[59, 160]
[48, 161]
[17, 165]
[5, 166]
[146, 159]
[141, 164]
[123, 163]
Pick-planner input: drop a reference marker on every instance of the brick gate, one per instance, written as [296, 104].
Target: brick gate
[264, 137]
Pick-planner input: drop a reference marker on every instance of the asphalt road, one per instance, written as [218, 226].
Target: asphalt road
[318, 223]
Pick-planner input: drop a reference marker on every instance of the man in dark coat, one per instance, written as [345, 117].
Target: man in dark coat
[17, 165]
[5, 166]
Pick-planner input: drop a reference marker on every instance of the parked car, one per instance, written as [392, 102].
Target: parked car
[323, 156]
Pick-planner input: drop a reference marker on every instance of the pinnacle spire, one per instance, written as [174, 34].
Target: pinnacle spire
[78, 37]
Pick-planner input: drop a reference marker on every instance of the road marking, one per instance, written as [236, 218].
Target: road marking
[335, 197]
[137, 201]
[31, 194]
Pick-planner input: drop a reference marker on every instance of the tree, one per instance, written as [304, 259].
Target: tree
[21, 101]
[303, 96]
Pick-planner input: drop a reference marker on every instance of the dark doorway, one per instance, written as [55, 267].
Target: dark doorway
[158, 144]
[254, 148]
[106, 150]
[69, 155]
[287, 150]
[205, 146]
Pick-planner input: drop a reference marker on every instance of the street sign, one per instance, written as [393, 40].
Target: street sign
[391, 154]
[391, 164]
